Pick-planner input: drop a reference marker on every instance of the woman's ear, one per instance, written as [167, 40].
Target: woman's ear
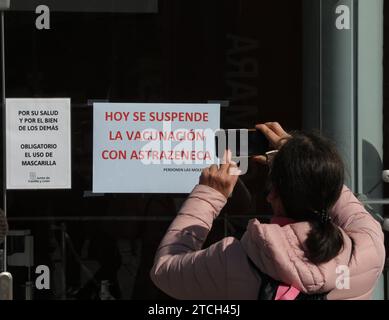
[274, 199]
[272, 195]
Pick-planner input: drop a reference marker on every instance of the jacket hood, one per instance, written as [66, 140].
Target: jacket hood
[280, 252]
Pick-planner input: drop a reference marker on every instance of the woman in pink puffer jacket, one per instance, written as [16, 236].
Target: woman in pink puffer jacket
[322, 239]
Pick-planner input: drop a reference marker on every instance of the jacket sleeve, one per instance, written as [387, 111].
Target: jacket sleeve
[181, 268]
[350, 215]
[368, 255]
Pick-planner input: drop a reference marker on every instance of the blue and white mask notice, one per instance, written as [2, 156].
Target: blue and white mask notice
[38, 143]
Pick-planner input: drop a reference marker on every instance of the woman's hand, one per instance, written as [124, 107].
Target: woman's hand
[223, 178]
[276, 135]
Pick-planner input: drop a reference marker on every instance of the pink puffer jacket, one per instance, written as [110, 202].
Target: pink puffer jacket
[184, 270]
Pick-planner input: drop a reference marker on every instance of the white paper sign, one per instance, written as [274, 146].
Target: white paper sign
[152, 148]
[38, 144]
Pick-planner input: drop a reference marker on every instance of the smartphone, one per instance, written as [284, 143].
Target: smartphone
[241, 142]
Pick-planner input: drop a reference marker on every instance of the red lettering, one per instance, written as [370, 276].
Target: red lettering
[116, 116]
[114, 155]
[139, 116]
[116, 136]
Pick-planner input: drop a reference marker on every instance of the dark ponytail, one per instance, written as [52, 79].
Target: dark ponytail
[324, 242]
[308, 175]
